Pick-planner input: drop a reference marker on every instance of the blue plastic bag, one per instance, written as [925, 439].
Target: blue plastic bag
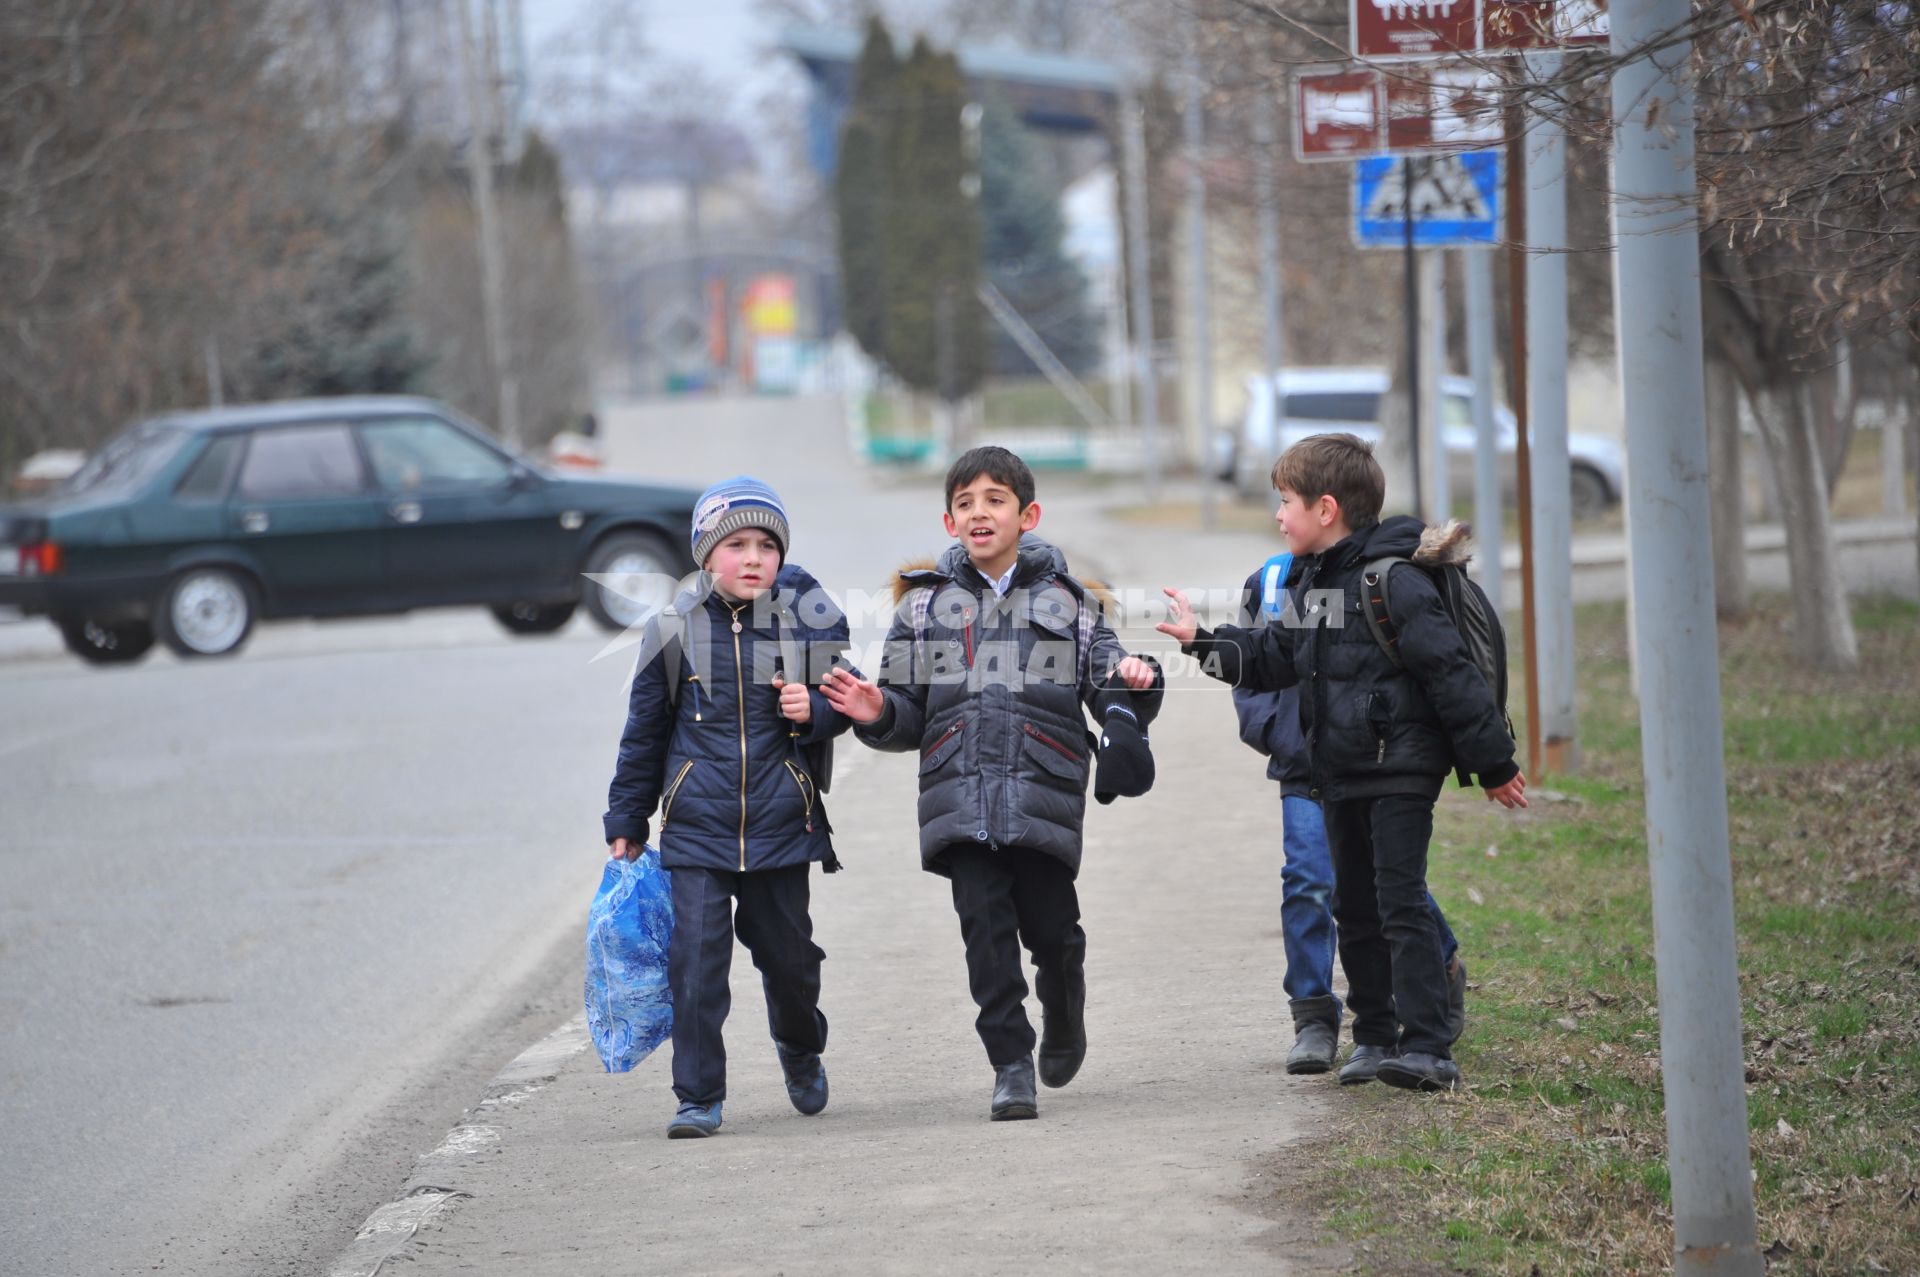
[629, 1007]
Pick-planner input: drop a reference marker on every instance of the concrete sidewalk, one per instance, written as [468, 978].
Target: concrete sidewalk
[1161, 1157]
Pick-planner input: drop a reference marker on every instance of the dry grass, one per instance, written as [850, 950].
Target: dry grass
[1554, 1160]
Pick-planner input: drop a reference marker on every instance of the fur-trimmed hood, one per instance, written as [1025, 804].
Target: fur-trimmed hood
[1037, 555]
[1445, 543]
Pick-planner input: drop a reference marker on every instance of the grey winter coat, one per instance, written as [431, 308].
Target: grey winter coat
[990, 694]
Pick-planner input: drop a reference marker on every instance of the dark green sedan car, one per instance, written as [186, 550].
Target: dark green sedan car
[191, 527]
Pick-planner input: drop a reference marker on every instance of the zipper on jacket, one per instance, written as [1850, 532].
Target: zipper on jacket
[946, 736]
[1379, 733]
[1045, 739]
[806, 791]
[666, 808]
[740, 694]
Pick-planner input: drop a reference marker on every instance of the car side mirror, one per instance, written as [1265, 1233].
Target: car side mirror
[522, 478]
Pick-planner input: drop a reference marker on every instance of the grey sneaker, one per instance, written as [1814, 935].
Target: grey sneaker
[694, 1121]
[1418, 1071]
[1364, 1064]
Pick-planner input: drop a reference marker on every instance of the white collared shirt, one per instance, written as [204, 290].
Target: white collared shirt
[1005, 582]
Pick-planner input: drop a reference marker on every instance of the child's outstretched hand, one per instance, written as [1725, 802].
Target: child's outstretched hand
[1511, 794]
[1181, 624]
[853, 696]
[795, 705]
[1135, 673]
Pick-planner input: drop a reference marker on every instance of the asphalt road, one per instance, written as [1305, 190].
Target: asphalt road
[268, 923]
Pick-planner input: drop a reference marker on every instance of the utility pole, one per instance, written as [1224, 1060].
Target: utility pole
[1517, 396]
[1202, 370]
[1437, 497]
[1551, 476]
[1487, 505]
[1266, 193]
[1410, 277]
[1662, 378]
[1135, 161]
[482, 127]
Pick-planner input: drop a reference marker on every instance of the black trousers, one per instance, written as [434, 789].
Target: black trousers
[1006, 898]
[772, 921]
[1389, 945]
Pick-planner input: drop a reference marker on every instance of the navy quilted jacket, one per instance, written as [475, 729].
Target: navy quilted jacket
[729, 775]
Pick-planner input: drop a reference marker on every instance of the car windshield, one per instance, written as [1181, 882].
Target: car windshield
[126, 461]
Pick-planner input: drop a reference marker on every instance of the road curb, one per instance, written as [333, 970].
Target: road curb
[390, 1227]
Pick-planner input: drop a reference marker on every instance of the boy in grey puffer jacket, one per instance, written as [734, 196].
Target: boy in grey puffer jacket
[991, 657]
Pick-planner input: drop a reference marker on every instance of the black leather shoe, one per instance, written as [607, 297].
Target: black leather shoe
[1418, 1071]
[1013, 1098]
[806, 1078]
[1364, 1064]
[1063, 1033]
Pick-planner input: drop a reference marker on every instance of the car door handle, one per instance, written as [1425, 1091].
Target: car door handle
[405, 511]
[255, 521]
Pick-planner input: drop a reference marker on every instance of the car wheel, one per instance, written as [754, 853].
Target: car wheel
[1590, 495]
[534, 618]
[631, 575]
[108, 643]
[207, 612]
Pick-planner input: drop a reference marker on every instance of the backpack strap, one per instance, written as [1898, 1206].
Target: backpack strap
[1374, 603]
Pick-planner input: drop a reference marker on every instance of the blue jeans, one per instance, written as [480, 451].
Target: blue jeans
[1306, 902]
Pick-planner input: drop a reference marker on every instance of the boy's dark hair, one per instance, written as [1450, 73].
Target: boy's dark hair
[997, 464]
[1341, 466]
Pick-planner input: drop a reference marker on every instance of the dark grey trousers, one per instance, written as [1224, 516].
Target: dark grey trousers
[772, 921]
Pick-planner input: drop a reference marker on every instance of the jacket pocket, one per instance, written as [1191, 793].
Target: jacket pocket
[1379, 721]
[943, 748]
[805, 784]
[1052, 755]
[666, 803]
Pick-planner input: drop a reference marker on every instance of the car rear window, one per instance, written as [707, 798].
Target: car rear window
[1344, 405]
[126, 461]
[415, 453]
[301, 461]
[212, 473]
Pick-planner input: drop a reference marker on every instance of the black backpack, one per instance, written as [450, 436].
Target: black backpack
[1467, 606]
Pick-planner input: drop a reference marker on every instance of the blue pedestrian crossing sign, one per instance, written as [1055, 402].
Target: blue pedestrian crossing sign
[1455, 200]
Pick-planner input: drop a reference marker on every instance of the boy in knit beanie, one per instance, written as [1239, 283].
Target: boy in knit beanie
[725, 737]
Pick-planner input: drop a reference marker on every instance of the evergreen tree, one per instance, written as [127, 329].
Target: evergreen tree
[935, 332]
[860, 192]
[1025, 256]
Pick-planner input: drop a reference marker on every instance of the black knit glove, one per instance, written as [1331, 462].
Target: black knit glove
[1125, 766]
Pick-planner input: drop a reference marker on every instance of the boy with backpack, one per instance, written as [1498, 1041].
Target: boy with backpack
[991, 657]
[1386, 719]
[727, 739]
[1270, 724]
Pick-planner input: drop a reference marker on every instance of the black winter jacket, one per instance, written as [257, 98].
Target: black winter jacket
[1372, 727]
[728, 773]
[992, 700]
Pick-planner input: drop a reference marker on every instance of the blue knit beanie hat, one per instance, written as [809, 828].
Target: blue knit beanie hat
[733, 505]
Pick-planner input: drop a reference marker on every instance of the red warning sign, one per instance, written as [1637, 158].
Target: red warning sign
[1387, 29]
